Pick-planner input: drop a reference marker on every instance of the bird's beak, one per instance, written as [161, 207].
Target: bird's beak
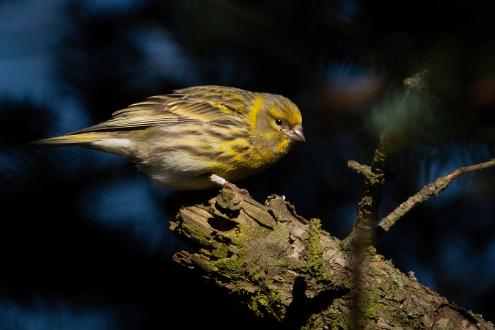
[296, 134]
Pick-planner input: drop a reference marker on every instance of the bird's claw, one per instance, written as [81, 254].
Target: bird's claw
[232, 186]
[224, 183]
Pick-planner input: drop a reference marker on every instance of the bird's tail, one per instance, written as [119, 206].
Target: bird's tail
[83, 138]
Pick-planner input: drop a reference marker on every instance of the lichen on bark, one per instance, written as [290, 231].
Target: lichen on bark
[285, 268]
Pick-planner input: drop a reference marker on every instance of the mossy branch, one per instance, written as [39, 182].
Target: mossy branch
[362, 236]
[285, 268]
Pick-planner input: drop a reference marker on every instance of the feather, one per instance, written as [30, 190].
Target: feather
[81, 138]
[204, 104]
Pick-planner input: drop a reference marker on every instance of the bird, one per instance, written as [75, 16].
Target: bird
[198, 137]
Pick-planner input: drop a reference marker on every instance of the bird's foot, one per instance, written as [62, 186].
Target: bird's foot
[224, 183]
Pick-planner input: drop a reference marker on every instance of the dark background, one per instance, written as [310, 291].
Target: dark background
[84, 239]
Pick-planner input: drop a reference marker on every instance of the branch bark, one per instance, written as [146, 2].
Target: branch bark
[284, 267]
[362, 236]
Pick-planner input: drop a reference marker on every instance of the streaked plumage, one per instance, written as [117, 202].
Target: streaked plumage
[180, 139]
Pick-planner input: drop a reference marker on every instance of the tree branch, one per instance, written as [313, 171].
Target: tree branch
[362, 235]
[374, 179]
[364, 170]
[285, 268]
[430, 190]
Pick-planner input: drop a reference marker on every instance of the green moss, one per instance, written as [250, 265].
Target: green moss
[191, 235]
[345, 245]
[332, 318]
[266, 301]
[233, 265]
[229, 200]
[475, 315]
[314, 252]
[373, 307]
[371, 250]
[397, 279]
[233, 273]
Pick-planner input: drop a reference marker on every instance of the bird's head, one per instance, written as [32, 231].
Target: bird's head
[280, 119]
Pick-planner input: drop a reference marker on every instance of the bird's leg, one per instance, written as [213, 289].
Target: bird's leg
[217, 179]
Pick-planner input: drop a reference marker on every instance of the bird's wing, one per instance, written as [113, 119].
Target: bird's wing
[203, 103]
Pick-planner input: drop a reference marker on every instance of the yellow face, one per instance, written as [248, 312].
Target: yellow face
[281, 119]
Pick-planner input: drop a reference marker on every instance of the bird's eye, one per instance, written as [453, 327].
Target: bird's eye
[279, 122]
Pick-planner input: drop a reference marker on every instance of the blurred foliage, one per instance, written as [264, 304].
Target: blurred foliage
[82, 228]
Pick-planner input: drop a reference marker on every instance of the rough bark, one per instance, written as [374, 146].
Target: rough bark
[286, 268]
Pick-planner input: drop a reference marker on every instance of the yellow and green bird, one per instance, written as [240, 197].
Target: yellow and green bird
[199, 136]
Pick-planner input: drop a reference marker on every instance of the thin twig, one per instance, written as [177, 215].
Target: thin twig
[364, 170]
[374, 178]
[362, 235]
[432, 189]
